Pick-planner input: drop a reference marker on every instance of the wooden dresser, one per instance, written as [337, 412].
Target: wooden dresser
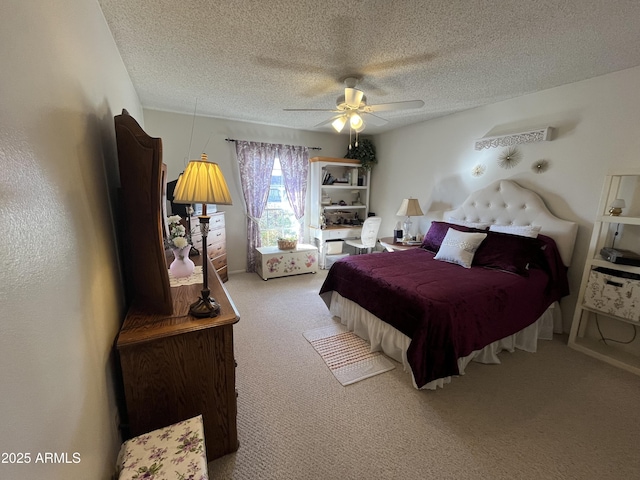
[173, 366]
[176, 366]
[216, 242]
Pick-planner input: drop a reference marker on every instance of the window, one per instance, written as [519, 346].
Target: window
[258, 162]
[278, 219]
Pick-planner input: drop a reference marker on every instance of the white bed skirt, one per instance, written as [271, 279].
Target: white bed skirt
[383, 337]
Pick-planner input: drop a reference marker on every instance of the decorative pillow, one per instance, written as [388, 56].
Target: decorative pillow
[459, 247]
[433, 239]
[464, 223]
[508, 252]
[522, 230]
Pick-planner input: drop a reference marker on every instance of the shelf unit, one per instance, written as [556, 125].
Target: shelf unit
[351, 182]
[625, 185]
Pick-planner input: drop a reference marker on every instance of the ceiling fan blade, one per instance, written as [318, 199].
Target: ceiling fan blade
[386, 107]
[310, 110]
[374, 119]
[321, 124]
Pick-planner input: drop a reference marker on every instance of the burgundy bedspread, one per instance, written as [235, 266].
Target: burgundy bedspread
[448, 311]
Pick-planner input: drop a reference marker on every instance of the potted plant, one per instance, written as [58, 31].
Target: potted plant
[365, 152]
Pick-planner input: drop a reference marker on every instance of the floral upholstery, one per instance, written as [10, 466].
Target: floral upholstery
[611, 293]
[174, 452]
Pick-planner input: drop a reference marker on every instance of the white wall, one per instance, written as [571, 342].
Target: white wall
[209, 136]
[62, 82]
[598, 126]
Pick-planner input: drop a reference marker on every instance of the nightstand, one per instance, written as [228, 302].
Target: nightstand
[390, 244]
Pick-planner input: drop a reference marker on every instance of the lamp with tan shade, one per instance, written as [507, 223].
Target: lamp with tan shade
[410, 207]
[203, 182]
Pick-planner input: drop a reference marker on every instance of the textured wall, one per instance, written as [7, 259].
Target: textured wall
[62, 81]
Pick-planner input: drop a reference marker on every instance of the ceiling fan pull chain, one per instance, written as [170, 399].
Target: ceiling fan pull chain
[350, 130]
[356, 144]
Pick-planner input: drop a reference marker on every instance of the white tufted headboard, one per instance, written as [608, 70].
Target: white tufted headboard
[504, 202]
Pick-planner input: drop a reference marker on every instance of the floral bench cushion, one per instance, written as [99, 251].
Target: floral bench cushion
[174, 452]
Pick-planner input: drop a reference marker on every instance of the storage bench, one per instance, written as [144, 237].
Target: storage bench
[271, 262]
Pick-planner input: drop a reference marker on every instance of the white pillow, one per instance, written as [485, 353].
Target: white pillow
[459, 247]
[522, 230]
[464, 223]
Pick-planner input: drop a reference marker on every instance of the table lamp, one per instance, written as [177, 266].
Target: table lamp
[203, 182]
[615, 209]
[410, 207]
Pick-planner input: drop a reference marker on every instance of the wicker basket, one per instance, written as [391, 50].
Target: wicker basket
[284, 244]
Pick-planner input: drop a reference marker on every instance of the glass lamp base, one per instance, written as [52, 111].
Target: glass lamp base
[406, 229]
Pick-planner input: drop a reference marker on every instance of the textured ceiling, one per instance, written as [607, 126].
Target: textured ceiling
[248, 59]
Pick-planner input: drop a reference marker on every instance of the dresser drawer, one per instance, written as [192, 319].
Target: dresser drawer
[222, 273]
[340, 233]
[216, 222]
[217, 236]
[219, 262]
[216, 250]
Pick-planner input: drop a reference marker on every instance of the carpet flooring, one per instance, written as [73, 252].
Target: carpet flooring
[555, 414]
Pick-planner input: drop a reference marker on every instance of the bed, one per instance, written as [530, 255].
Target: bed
[487, 278]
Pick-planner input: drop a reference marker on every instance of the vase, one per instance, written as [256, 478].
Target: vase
[182, 266]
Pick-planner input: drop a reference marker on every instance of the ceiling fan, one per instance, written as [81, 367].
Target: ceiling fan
[352, 108]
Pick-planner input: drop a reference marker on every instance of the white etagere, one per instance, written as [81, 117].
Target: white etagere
[585, 332]
[339, 187]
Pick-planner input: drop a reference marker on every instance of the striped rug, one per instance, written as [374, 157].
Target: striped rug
[348, 356]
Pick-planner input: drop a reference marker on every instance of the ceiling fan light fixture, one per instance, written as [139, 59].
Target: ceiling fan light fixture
[356, 122]
[353, 97]
[352, 107]
[339, 123]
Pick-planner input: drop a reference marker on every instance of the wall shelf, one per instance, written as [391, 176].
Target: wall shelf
[539, 135]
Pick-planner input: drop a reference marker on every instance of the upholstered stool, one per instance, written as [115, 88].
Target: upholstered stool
[174, 452]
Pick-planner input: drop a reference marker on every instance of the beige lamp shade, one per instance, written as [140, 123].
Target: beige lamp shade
[410, 208]
[202, 182]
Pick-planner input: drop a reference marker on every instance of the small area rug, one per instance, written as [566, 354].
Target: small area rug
[349, 357]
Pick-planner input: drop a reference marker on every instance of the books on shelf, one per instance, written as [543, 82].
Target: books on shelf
[354, 176]
[350, 178]
[327, 178]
